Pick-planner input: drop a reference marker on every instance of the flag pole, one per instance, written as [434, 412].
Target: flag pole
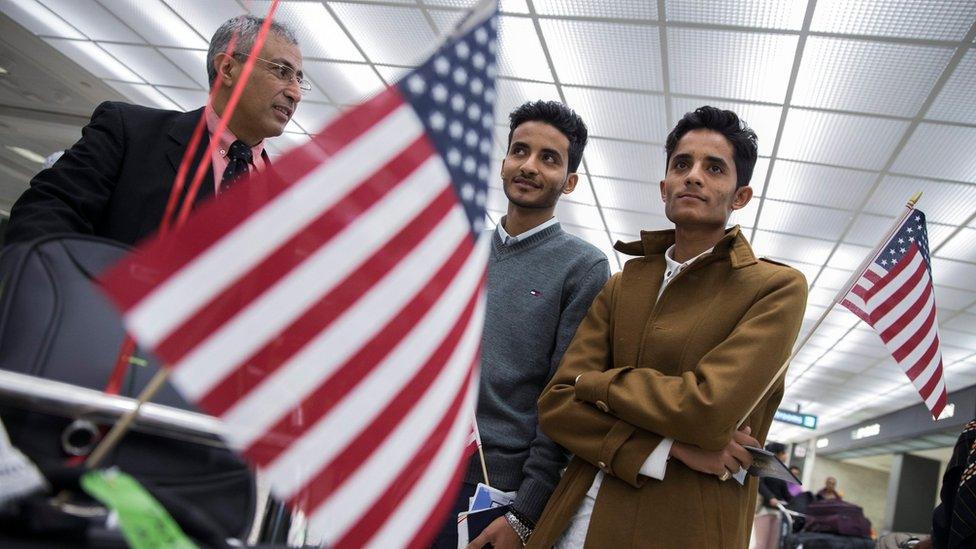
[481, 452]
[909, 208]
[121, 426]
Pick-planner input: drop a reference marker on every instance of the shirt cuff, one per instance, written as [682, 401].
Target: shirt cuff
[656, 463]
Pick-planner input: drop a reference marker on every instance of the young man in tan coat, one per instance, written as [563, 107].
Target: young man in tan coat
[675, 350]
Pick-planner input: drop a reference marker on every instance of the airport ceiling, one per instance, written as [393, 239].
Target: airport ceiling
[857, 104]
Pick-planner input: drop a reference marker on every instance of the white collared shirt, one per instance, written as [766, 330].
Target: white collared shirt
[508, 239]
[655, 464]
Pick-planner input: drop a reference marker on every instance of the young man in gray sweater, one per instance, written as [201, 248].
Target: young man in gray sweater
[541, 281]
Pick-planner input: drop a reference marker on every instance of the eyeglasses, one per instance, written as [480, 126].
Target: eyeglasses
[283, 72]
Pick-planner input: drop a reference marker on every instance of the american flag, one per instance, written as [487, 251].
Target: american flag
[329, 310]
[895, 296]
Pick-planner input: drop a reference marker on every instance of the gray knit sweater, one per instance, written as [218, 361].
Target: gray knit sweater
[539, 290]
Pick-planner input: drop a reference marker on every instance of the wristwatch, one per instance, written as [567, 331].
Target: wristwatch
[521, 528]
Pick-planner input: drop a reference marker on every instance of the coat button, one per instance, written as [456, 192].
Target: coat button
[601, 465]
[602, 406]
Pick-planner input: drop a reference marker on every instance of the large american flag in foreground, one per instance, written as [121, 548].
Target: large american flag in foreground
[330, 310]
[895, 296]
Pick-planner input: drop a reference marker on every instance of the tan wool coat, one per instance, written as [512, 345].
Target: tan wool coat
[687, 366]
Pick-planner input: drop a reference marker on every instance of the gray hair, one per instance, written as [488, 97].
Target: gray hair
[246, 27]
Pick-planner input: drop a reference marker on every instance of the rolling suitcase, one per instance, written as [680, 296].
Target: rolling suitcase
[54, 324]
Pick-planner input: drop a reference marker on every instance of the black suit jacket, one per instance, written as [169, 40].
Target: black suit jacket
[116, 180]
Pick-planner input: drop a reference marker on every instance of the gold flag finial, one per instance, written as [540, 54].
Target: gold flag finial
[914, 200]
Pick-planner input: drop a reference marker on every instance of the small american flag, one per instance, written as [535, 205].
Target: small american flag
[329, 310]
[895, 296]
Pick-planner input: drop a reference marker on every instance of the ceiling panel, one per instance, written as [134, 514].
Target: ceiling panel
[839, 139]
[156, 23]
[342, 82]
[953, 273]
[955, 102]
[145, 94]
[770, 14]
[319, 34]
[513, 93]
[388, 34]
[791, 247]
[619, 9]
[856, 75]
[868, 230]
[947, 203]
[939, 151]
[624, 222]
[38, 19]
[786, 217]
[629, 195]
[520, 52]
[95, 59]
[961, 247]
[579, 214]
[738, 65]
[206, 17]
[953, 299]
[763, 119]
[625, 160]
[187, 100]
[94, 21]
[152, 65]
[814, 184]
[620, 114]
[193, 63]
[589, 54]
[940, 20]
[848, 256]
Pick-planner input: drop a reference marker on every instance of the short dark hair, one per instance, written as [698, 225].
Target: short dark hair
[745, 143]
[775, 447]
[558, 116]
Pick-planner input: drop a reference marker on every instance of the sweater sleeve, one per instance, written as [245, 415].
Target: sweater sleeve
[702, 407]
[72, 195]
[546, 458]
[599, 438]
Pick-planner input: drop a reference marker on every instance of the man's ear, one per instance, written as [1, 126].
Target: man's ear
[741, 197]
[663, 196]
[227, 69]
[571, 182]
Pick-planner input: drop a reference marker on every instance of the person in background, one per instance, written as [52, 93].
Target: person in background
[773, 492]
[116, 180]
[793, 487]
[830, 491]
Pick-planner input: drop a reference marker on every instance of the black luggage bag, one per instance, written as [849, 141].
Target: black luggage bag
[54, 324]
[823, 540]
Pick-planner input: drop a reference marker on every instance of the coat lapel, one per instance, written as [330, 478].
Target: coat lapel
[180, 135]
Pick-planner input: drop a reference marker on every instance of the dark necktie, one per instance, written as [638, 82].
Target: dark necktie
[238, 164]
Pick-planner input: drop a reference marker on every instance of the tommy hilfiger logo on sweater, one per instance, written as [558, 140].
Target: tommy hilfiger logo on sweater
[536, 293]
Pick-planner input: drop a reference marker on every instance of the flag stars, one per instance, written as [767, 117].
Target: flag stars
[901, 240]
[454, 157]
[903, 250]
[467, 192]
[439, 93]
[456, 129]
[477, 86]
[478, 60]
[458, 103]
[462, 49]
[442, 65]
[470, 165]
[460, 76]
[474, 112]
[884, 261]
[471, 139]
[416, 84]
[480, 199]
[437, 120]
[481, 36]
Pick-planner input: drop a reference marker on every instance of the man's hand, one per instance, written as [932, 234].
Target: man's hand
[731, 458]
[499, 534]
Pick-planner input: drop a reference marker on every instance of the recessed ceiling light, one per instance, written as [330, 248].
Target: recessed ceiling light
[27, 153]
[3, 71]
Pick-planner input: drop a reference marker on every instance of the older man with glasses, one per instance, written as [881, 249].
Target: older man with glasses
[115, 181]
